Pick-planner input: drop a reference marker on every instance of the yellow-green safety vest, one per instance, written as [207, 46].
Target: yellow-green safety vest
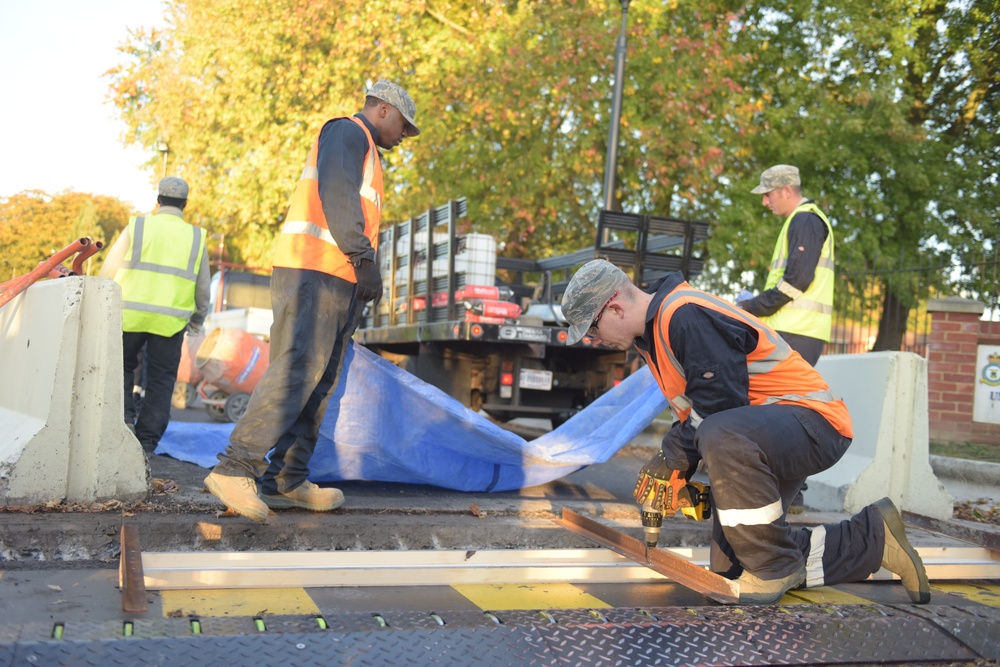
[809, 313]
[159, 274]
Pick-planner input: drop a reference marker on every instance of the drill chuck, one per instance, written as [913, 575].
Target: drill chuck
[652, 520]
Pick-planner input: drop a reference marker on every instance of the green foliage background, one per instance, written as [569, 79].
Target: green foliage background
[889, 110]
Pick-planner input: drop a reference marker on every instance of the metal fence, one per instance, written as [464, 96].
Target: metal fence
[887, 309]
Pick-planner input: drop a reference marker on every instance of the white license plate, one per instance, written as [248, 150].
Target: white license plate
[532, 379]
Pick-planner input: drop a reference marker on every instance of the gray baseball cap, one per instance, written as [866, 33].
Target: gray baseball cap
[776, 177]
[591, 287]
[174, 187]
[387, 91]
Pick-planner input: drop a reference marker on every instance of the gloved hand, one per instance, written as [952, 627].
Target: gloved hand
[743, 299]
[663, 486]
[369, 280]
[193, 329]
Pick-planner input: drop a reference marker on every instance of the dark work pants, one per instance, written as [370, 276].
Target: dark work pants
[163, 355]
[758, 456]
[315, 316]
[810, 349]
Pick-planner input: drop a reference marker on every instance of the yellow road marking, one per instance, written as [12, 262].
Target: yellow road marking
[821, 595]
[986, 595]
[237, 602]
[494, 597]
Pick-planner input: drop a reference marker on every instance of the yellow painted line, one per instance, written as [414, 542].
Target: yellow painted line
[986, 595]
[821, 595]
[495, 597]
[237, 602]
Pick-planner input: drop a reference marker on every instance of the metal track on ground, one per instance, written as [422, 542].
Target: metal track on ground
[282, 569]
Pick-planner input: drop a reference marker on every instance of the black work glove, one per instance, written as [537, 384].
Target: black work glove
[369, 280]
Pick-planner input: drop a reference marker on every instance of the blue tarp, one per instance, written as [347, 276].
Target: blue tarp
[384, 424]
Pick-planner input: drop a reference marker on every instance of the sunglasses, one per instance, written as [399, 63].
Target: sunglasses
[593, 325]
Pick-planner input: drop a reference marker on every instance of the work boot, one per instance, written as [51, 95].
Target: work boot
[899, 557]
[238, 493]
[754, 590]
[307, 496]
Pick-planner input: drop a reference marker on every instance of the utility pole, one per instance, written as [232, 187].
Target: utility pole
[164, 150]
[616, 112]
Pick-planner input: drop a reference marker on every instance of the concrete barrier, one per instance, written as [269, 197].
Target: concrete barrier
[886, 393]
[61, 397]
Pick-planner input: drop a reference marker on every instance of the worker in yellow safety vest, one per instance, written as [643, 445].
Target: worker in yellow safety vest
[797, 300]
[324, 275]
[161, 263]
[759, 416]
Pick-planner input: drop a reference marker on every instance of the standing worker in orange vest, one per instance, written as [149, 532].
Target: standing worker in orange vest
[324, 274]
[797, 300]
[161, 264]
[762, 419]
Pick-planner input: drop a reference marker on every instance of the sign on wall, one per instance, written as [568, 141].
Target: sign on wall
[986, 402]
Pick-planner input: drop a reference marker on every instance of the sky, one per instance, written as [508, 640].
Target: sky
[57, 131]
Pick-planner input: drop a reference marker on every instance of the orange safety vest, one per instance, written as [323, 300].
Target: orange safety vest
[305, 241]
[776, 375]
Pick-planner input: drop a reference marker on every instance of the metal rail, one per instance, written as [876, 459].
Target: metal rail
[313, 569]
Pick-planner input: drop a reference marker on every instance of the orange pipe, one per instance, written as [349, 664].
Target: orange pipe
[61, 272]
[84, 255]
[12, 288]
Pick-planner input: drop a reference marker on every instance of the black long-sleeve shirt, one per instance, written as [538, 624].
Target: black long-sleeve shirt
[712, 349]
[806, 235]
[340, 162]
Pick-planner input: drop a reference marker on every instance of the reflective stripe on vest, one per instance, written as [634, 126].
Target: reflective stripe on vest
[776, 376]
[159, 274]
[809, 313]
[305, 241]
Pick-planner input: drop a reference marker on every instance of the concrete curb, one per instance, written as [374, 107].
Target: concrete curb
[968, 480]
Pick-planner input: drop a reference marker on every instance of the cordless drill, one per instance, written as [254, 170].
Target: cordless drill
[693, 502]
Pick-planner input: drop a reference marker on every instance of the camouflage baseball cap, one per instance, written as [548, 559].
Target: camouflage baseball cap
[387, 91]
[174, 187]
[776, 177]
[591, 287]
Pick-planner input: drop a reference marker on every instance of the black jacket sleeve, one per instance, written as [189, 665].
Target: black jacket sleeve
[806, 235]
[340, 162]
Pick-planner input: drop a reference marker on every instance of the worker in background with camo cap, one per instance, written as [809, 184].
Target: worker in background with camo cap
[761, 418]
[324, 275]
[797, 300]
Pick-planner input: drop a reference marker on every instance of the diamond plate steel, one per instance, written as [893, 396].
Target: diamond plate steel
[152, 628]
[798, 634]
[467, 618]
[499, 647]
[299, 624]
[977, 627]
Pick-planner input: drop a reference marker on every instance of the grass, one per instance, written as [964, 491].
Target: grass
[974, 451]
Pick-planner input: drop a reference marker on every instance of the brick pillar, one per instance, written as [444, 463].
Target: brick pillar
[951, 367]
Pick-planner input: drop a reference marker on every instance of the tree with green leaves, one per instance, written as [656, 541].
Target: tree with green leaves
[890, 111]
[513, 101]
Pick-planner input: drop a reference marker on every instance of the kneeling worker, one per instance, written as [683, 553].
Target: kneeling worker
[762, 419]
